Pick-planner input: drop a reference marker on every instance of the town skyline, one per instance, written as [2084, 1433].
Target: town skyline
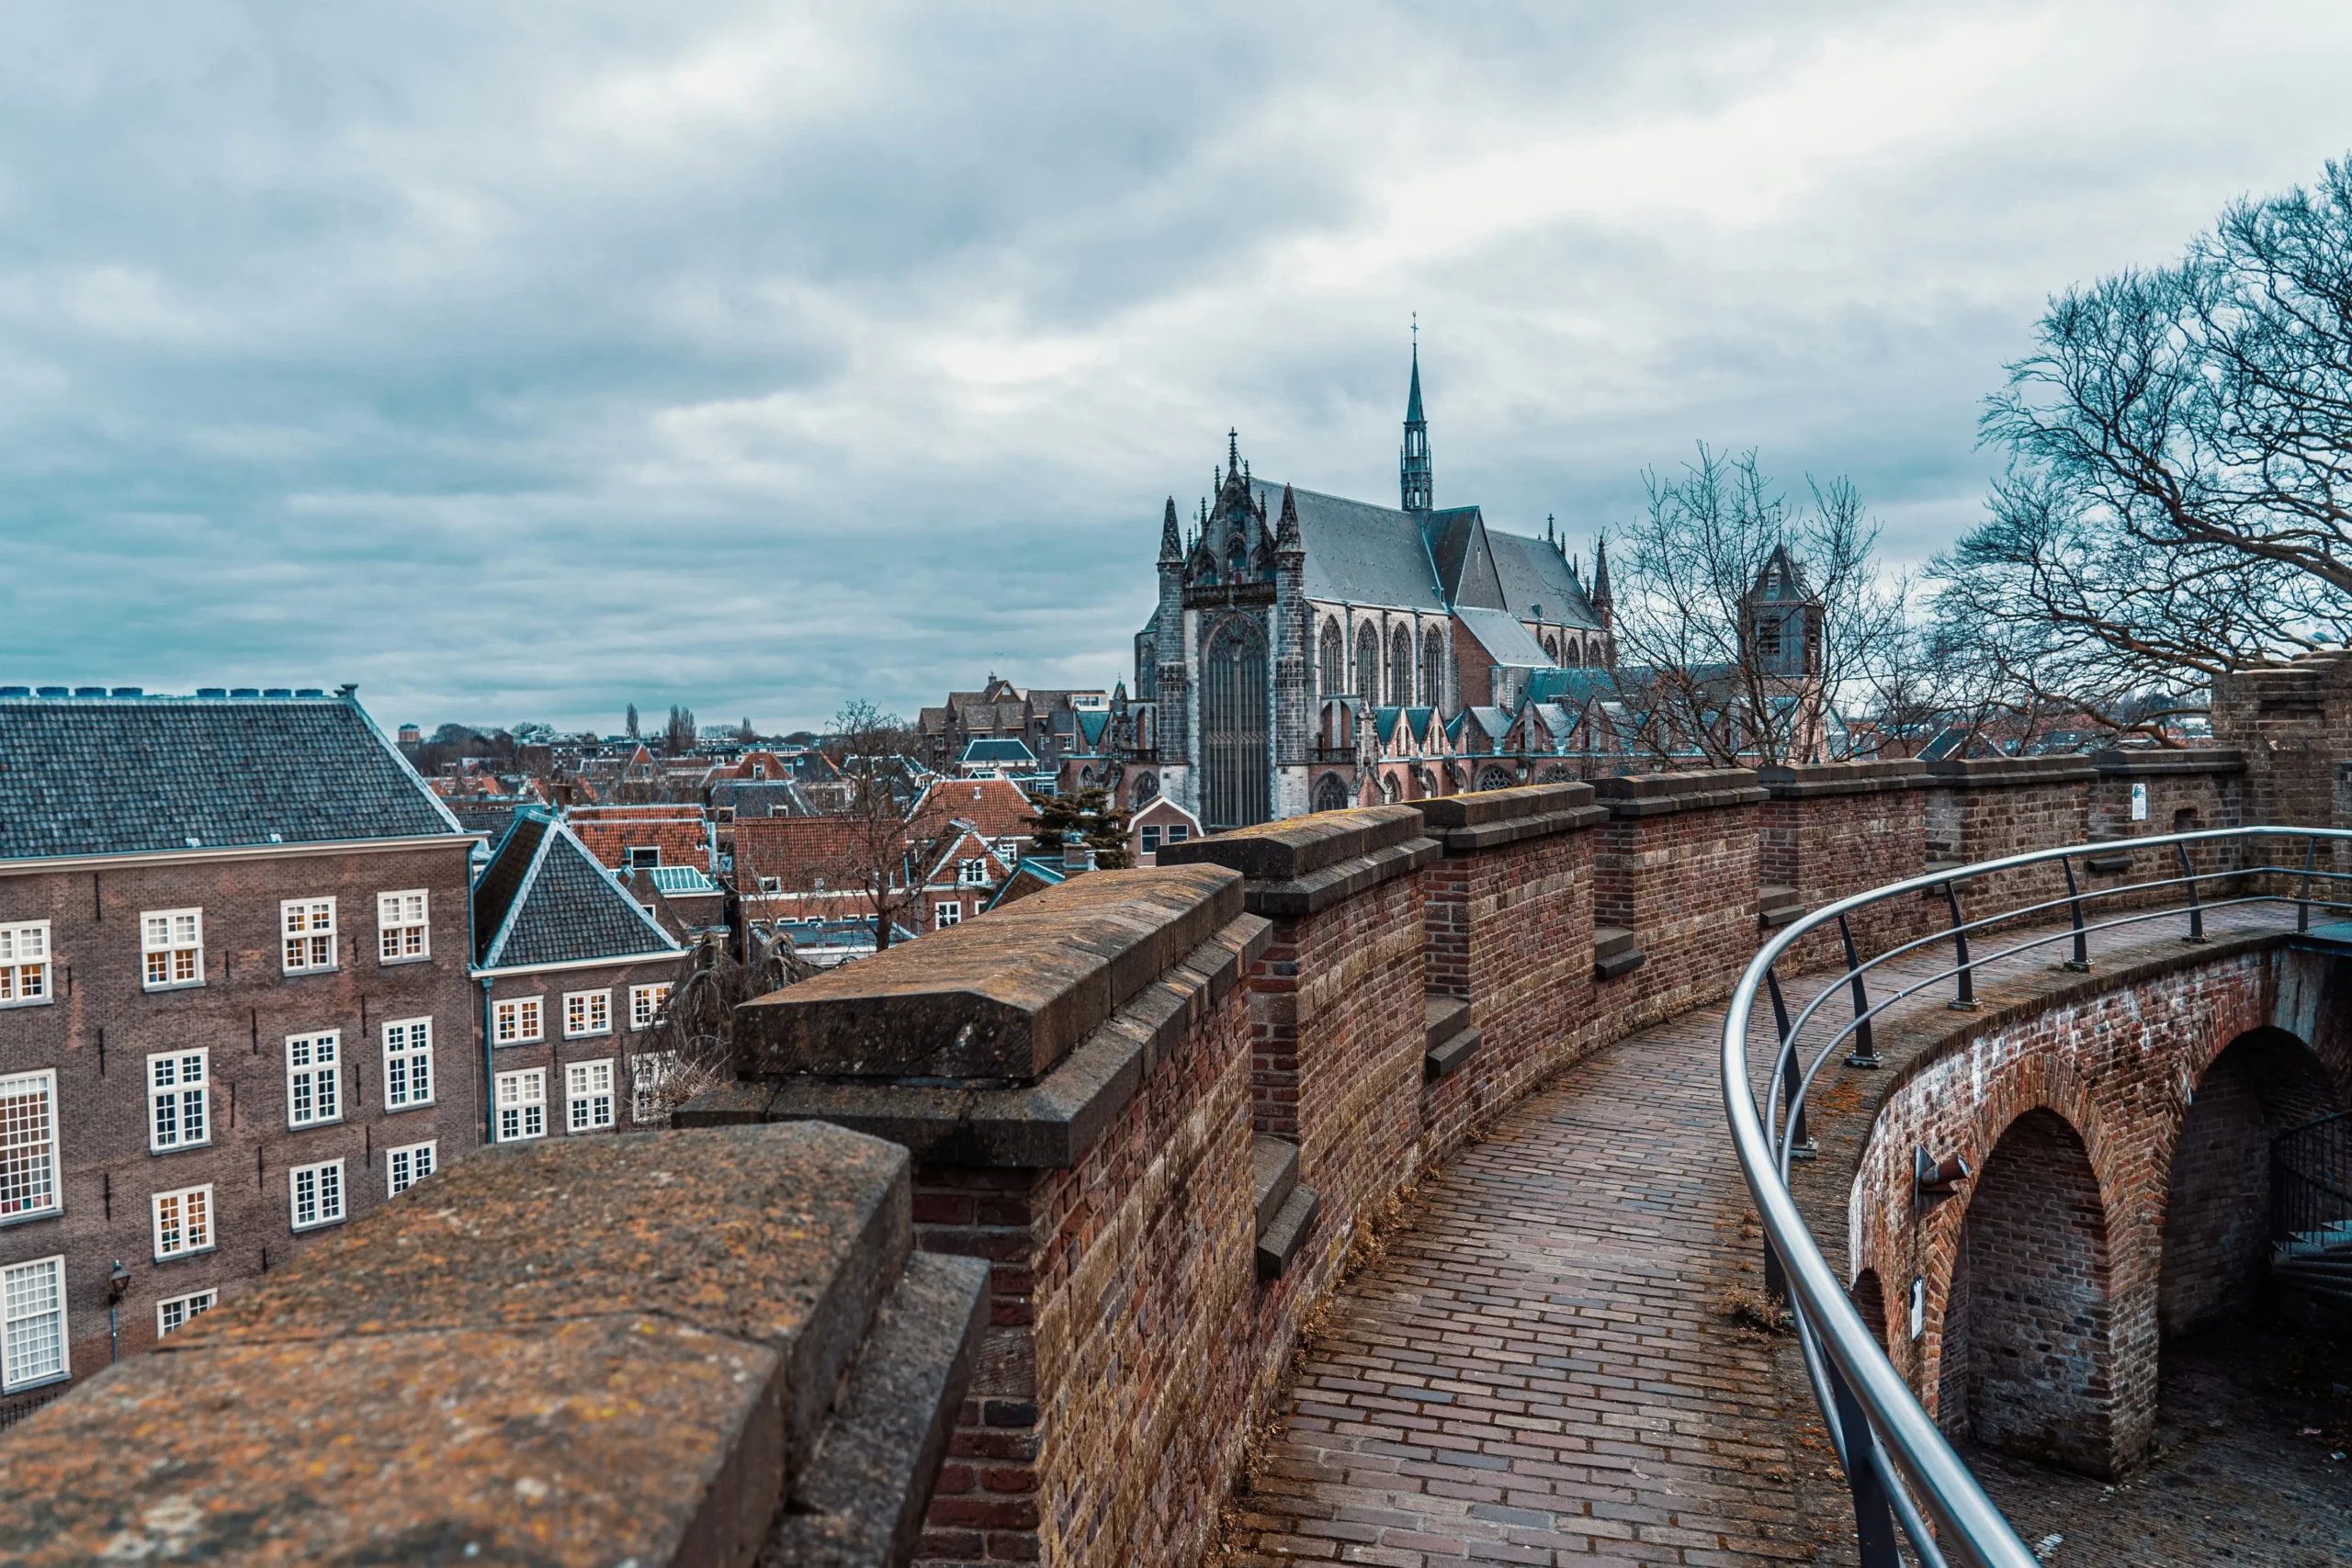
[333, 383]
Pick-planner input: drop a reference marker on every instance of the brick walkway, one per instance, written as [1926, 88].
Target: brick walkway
[1542, 1369]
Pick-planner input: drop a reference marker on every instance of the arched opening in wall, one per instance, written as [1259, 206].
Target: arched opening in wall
[1389, 793]
[1331, 793]
[2027, 1357]
[1869, 1300]
[1234, 748]
[2217, 1214]
[1432, 669]
[1400, 668]
[1551, 648]
[1496, 778]
[1368, 664]
[1146, 787]
[1333, 657]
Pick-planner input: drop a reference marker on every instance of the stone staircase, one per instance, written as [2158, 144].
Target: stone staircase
[2317, 1264]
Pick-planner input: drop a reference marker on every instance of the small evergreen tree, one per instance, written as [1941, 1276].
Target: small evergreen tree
[1092, 815]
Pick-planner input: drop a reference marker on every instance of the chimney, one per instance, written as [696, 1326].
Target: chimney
[1076, 854]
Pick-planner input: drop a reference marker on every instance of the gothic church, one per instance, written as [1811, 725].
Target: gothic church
[1302, 638]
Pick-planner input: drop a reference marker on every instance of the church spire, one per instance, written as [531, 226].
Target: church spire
[1413, 477]
[1600, 575]
[1171, 546]
[1286, 536]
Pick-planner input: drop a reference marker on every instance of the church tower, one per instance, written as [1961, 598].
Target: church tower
[1413, 477]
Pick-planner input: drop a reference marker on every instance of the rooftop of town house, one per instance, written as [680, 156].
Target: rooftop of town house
[95, 772]
[543, 898]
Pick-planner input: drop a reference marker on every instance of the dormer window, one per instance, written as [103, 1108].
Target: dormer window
[644, 857]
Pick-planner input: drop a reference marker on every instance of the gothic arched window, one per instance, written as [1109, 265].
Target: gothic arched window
[1368, 663]
[1234, 742]
[1331, 793]
[1432, 669]
[1146, 787]
[1496, 778]
[1551, 648]
[1334, 660]
[1400, 668]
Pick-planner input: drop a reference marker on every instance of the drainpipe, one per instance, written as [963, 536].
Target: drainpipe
[489, 1071]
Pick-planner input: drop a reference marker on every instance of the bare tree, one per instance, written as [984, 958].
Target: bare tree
[889, 829]
[1706, 668]
[631, 721]
[679, 736]
[691, 1049]
[2179, 499]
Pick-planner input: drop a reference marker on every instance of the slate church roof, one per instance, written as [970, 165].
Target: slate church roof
[545, 899]
[106, 775]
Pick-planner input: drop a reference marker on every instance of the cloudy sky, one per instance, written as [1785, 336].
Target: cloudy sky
[521, 362]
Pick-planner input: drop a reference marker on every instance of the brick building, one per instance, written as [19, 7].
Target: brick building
[571, 967]
[235, 1007]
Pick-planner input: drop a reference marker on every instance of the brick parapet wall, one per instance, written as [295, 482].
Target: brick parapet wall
[1676, 864]
[1508, 913]
[1988, 808]
[2292, 723]
[1829, 832]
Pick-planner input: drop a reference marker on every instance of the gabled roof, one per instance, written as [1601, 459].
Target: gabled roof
[1360, 553]
[1463, 557]
[1503, 639]
[1533, 573]
[998, 807]
[136, 775]
[545, 899]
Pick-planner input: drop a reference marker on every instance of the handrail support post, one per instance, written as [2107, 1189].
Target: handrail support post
[1800, 1144]
[1966, 1000]
[2081, 962]
[2196, 910]
[1865, 1052]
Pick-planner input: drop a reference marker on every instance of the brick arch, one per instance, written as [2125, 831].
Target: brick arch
[1869, 1300]
[2216, 1229]
[2118, 1065]
[2029, 1347]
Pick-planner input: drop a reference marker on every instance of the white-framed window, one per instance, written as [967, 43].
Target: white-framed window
[175, 1314]
[313, 1067]
[587, 1012]
[517, 1023]
[522, 1102]
[1151, 841]
[407, 1064]
[643, 857]
[1007, 850]
[24, 964]
[946, 913]
[1178, 833]
[180, 1085]
[648, 1071]
[28, 1145]
[772, 887]
[315, 1193]
[972, 872]
[307, 926]
[645, 1004]
[32, 1323]
[588, 1096]
[183, 1222]
[407, 1166]
[171, 947]
[401, 926]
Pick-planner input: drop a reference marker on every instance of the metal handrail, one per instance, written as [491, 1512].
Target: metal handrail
[1908, 1469]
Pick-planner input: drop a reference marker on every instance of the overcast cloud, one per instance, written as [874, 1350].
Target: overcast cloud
[519, 363]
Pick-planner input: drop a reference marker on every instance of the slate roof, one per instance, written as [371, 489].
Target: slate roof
[1503, 639]
[134, 775]
[998, 751]
[545, 899]
[1533, 573]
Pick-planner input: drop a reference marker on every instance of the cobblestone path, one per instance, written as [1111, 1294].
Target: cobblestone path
[1542, 1369]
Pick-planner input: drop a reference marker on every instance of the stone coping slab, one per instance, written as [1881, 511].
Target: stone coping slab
[1842, 778]
[999, 999]
[574, 1352]
[1297, 847]
[1662, 795]
[1493, 818]
[1979, 773]
[1049, 1124]
[2165, 762]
